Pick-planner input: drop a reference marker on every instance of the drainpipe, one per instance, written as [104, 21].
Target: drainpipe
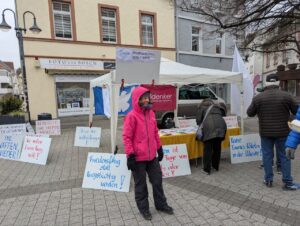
[176, 29]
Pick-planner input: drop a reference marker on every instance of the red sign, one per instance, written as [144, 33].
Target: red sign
[163, 97]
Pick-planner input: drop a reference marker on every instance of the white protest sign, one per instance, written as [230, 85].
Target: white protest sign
[29, 128]
[12, 129]
[231, 121]
[35, 149]
[176, 161]
[87, 137]
[245, 148]
[48, 127]
[184, 123]
[137, 65]
[106, 171]
[10, 146]
[36, 135]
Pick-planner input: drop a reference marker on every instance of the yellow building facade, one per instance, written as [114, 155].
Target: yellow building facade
[78, 43]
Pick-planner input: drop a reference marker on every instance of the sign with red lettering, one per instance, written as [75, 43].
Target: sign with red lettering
[231, 121]
[35, 149]
[176, 161]
[48, 127]
[163, 97]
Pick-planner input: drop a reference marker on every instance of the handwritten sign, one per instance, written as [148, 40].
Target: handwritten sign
[87, 137]
[29, 128]
[35, 149]
[245, 148]
[10, 146]
[231, 121]
[184, 123]
[175, 161]
[49, 127]
[12, 129]
[106, 171]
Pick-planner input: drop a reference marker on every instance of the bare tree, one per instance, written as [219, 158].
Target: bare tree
[262, 25]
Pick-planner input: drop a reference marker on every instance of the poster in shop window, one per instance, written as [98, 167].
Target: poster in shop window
[176, 161]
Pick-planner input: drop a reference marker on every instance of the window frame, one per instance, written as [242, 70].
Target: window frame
[222, 41]
[142, 13]
[72, 14]
[199, 35]
[118, 32]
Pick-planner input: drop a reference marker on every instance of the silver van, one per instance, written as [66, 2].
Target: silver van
[190, 96]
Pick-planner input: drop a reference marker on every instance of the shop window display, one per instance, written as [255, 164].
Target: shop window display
[71, 97]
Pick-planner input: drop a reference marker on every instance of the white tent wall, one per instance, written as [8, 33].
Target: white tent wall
[170, 73]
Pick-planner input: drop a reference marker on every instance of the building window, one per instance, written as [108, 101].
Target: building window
[109, 25]
[275, 59]
[196, 44]
[62, 18]
[268, 59]
[148, 29]
[219, 43]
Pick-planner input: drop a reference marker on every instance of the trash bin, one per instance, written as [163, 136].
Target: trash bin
[44, 116]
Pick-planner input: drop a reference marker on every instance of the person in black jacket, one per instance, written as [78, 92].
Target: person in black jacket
[214, 131]
[273, 107]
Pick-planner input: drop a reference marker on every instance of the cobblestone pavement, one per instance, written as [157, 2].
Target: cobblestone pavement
[52, 194]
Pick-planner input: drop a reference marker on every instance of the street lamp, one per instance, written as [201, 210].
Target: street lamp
[4, 26]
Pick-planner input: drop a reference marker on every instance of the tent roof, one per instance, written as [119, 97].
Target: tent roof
[172, 72]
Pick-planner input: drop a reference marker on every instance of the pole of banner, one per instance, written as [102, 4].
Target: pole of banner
[91, 106]
[176, 108]
[242, 111]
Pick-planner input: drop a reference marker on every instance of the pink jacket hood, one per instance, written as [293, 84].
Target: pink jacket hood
[140, 132]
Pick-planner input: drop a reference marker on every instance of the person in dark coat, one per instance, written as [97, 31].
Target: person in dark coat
[214, 131]
[273, 107]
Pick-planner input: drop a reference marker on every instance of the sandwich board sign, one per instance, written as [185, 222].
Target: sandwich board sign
[107, 172]
[245, 148]
[176, 161]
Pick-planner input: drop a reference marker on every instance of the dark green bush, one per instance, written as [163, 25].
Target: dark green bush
[10, 104]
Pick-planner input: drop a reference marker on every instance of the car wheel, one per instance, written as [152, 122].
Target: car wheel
[168, 121]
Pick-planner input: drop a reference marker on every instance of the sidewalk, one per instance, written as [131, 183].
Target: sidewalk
[52, 194]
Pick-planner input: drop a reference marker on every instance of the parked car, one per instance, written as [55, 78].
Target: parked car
[190, 96]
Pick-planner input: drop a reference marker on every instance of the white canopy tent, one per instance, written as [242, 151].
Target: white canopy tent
[170, 73]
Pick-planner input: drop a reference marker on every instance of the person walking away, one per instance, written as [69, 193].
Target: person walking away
[142, 144]
[273, 107]
[214, 131]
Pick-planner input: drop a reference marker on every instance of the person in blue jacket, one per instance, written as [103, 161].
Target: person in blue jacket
[293, 139]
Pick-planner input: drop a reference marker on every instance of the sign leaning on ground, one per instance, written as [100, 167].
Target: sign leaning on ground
[107, 172]
[87, 137]
[35, 149]
[12, 129]
[245, 148]
[48, 127]
[176, 161]
[10, 146]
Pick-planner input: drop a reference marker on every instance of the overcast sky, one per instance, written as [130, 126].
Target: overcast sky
[9, 49]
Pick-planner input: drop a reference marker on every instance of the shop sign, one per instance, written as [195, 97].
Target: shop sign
[71, 64]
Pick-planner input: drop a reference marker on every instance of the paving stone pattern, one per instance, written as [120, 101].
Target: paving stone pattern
[52, 194]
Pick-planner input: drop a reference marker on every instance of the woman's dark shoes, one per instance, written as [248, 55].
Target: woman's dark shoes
[147, 215]
[166, 209]
[206, 172]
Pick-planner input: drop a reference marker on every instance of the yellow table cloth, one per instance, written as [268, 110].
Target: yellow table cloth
[195, 148]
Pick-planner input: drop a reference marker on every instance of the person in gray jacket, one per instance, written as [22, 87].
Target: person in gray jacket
[214, 131]
[273, 107]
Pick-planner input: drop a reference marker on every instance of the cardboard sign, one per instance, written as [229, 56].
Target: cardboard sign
[12, 129]
[137, 65]
[87, 137]
[245, 148]
[231, 121]
[185, 123]
[106, 171]
[163, 97]
[11, 145]
[35, 149]
[29, 128]
[48, 127]
[176, 161]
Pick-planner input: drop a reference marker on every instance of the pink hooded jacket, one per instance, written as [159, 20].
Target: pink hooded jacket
[140, 133]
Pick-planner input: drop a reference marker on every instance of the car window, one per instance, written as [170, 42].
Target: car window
[195, 93]
[206, 93]
[183, 94]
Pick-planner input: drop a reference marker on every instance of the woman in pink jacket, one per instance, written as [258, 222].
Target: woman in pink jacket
[141, 142]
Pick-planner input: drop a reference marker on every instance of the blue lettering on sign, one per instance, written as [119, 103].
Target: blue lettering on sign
[111, 160]
[166, 151]
[237, 155]
[234, 140]
[101, 175]
[251, 153]
[122, 181]
[109, 184]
